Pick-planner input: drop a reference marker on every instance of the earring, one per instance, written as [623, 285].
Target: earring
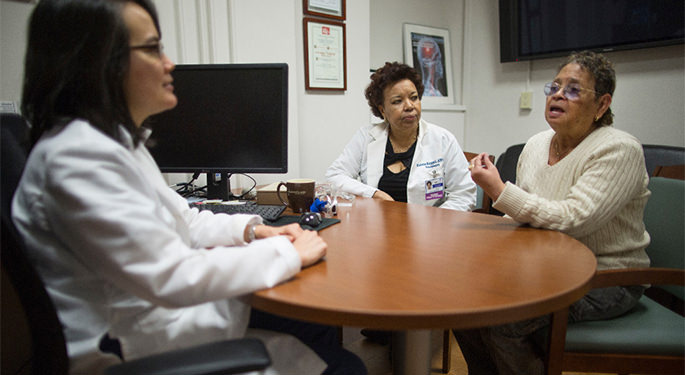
[596, 118]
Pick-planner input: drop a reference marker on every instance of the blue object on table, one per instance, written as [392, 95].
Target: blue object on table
[318, 205]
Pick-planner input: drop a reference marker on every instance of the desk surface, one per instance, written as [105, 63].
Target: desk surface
[398, 266]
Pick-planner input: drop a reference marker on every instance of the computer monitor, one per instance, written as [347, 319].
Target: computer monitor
[230, 118]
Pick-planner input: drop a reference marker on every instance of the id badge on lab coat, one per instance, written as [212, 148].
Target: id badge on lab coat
[435, 188]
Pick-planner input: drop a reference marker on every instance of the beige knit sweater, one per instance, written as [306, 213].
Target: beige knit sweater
[596, 194]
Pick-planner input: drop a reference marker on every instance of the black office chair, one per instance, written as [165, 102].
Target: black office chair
[48, 345]
[506, 165]
[507, 161]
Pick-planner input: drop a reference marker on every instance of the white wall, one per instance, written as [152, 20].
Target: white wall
[316, 117]
[388, 17]
[320, 123]
[649, 101]
[13, 21]
[386, 38]
[271, 31]
[327, 120]
[195, 32]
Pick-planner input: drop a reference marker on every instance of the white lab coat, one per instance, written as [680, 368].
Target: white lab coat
[121, 253]
[360, 166]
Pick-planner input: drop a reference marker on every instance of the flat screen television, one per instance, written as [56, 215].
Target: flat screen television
[533, 29]
[230, 118]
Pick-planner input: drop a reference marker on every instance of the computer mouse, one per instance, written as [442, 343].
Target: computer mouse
[312, 219]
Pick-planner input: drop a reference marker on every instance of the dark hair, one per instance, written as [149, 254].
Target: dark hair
[387, 75]
[76, 60]
[602, 71]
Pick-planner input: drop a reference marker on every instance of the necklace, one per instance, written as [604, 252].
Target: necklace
[555, 144]
[400, 149]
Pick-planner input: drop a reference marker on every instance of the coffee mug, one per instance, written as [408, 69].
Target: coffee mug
[300, 194]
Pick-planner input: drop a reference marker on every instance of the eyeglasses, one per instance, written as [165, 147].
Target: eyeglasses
[570, 91]
[156, 48]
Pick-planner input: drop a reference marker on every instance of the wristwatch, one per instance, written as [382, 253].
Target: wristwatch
[250, 233]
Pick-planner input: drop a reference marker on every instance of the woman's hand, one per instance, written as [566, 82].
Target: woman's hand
[291, 231]
[485, 174]
[310, 247]
[380, 194]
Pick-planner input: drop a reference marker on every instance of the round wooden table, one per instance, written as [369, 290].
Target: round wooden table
[412, 268]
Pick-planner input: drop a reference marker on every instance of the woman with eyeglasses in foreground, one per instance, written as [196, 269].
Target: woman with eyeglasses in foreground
[131, 269]
[584, 178]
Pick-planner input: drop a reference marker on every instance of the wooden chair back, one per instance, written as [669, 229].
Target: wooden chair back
[670, 171]
[486, 202]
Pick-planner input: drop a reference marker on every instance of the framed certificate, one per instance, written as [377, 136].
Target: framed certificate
[325, 8]
[324, 54]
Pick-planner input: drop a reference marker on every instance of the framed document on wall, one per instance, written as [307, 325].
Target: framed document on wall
[324, 54]
[427, 49]
[325, 8]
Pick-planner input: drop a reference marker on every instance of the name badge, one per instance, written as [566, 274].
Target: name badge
[435, 188]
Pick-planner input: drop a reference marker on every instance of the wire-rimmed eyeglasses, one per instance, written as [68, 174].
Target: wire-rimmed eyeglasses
[570, 91]
[156, 48]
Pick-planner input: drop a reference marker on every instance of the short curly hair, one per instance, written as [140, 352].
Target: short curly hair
[385, 76]
[602, 71]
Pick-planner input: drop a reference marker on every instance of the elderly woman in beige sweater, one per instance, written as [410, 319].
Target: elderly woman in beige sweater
[584, 178]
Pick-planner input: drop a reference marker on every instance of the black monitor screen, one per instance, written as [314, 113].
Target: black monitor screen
[531, 29]
[230, 118]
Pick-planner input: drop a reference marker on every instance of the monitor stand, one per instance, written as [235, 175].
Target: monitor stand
[219, 186]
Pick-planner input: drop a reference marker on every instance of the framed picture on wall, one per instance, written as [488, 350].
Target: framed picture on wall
[324, 54]
[325, 8]
[427, 49]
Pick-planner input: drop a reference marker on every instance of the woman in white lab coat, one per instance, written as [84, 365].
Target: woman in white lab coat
[131, 269]
[404, 158]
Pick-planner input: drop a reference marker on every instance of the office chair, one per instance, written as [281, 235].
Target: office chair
[506, 166]
[48, 345]
[650, 339]
[507, 162]
[660, 155]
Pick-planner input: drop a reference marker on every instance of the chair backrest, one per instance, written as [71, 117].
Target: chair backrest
[506, 166]
[659, 155]
[507, 162]
[665, 222]
[14, 145]
[655, 155]
[49, 354]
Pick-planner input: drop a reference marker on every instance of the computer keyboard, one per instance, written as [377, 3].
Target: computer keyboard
[266, 211]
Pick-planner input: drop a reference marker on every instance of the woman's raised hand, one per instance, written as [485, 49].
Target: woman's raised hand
[485, 174]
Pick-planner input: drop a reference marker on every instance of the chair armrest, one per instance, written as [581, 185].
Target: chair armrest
[223, 357]
[638, 276]
[603, 279]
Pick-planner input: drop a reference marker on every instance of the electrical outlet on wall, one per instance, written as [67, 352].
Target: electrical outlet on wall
[526, 100]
